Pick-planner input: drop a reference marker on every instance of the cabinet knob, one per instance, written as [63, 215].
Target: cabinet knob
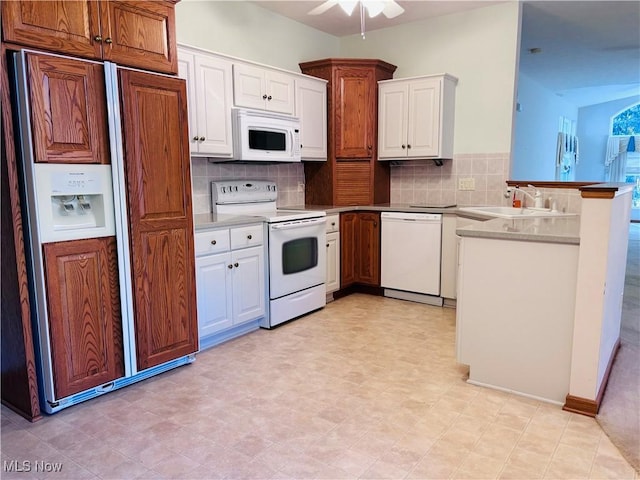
[409, 146]
[327, 245]
[195, 139]
[236, 264]
[375, 224]
[97, 38]
[213, 242]
[269, 97]
[201, 139]
[369, 147]
[333, 224]
[264, 97]
[229, 266]
[108, 41]
[403, 147]
[249, 237]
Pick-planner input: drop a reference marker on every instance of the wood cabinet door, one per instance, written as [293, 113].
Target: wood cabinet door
[84, 313]
[68, 110]
[157, 166]
[58, 25]
[368, 249]
[355, 109]
[348, 248]
[140, 34]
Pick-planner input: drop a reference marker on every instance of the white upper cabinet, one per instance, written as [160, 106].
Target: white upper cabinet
[210, 91]
[311, 108]
[263, 89]
[416, 117]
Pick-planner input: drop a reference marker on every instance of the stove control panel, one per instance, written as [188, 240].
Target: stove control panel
[243, 191]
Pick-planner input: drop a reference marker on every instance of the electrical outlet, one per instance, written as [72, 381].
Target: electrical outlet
[467, 183]
[300, 187]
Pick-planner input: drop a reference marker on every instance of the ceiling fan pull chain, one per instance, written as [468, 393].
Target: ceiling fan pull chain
[362, 19]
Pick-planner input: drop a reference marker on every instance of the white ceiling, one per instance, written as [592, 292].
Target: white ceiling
[590, 50]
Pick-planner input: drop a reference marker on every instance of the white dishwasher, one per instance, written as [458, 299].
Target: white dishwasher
[411, 252]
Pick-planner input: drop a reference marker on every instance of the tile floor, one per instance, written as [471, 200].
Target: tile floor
[366, 388]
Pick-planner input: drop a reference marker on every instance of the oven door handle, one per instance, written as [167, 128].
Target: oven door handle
[298, 224]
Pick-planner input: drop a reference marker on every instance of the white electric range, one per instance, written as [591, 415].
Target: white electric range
[296, 241]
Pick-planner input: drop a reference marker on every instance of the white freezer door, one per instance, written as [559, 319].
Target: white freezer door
[411, 253]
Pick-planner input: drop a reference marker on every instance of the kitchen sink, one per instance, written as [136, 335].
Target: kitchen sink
[512, 212]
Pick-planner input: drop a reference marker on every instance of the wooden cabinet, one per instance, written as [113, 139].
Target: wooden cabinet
[84, 313]
[263, 89]
[351, 175]
[360, 248]
[68, 110]
[230, 278]
[415, 117]
[134, 33]
[333, 253]
[210, 89]
[157, 165]
[311, 108]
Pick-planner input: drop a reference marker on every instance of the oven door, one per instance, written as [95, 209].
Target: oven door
[297, 255]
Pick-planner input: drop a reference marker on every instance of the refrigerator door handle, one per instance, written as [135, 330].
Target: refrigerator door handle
[122, 221]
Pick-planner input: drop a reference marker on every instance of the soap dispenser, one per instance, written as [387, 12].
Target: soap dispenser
[538, 201]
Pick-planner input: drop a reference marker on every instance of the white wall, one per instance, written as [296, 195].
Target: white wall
[536, 131]
[594, 123]
[245, 30]
[478, 46]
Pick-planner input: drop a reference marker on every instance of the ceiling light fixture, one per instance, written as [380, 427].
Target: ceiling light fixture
[389, 8]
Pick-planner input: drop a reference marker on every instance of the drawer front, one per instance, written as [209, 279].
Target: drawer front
[212, 241]
[333, 223]
[242, 237]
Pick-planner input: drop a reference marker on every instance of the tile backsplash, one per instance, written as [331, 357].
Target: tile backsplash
[286, 175]
[415, 182]
[422, 182]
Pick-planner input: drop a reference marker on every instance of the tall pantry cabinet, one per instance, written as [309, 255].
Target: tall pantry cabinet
[68, 120]
[351, 175]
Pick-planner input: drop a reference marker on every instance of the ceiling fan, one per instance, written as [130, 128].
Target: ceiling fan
[389, 8]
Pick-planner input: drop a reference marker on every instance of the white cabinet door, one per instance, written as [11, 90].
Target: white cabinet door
[213, 93]
[213, 288]
[280, 89]
[311, 108]
[392, 120]
[423, 126]
[248, 284]
[210, 90]
[333, 262]
[262, 89]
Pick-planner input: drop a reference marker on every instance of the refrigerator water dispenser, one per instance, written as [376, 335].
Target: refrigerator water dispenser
[74, 201]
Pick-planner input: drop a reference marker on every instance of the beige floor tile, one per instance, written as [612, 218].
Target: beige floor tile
[366, 388]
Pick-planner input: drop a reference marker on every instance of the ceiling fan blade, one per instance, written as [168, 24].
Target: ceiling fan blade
[323, 7]
[392, 9]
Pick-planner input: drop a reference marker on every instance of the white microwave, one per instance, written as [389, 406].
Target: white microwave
[260, 136]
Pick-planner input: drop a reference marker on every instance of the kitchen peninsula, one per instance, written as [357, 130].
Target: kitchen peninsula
[548, 324]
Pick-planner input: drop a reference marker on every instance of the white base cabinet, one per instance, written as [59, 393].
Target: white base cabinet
[231, 284]
[416, 117]
[333, 254]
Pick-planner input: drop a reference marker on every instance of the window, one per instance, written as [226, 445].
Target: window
[627, 123]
